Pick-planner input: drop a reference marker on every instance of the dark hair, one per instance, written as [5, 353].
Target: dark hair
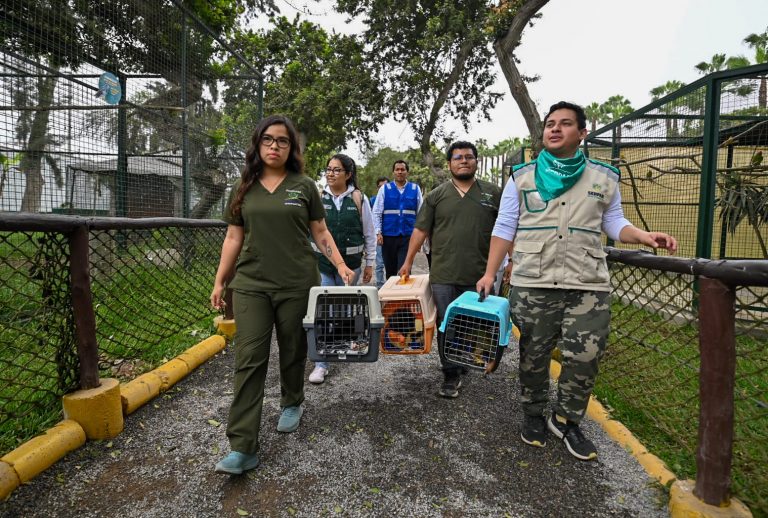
[460, 144]
[382, 179]
[581, 117]
[349, 167]
[401, 162]
[254, 167]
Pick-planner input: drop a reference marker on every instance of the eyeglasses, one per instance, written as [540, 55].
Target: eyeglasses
[334, 170]
[282, 142]
[457, 158]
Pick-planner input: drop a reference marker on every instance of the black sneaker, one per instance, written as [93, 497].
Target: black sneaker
[579, 446]
[534, 430]
[450, 387]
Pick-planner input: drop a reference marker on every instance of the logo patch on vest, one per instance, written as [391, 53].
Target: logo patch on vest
[596, 192]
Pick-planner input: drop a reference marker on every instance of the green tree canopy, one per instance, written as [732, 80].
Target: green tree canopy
[434, 61]
[322, 81]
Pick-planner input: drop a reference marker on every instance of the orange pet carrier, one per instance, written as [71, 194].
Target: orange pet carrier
[409, 315]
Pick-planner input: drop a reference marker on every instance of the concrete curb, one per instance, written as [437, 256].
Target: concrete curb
[139, 391]
[41, 452]
[682, 502]
[36, 455]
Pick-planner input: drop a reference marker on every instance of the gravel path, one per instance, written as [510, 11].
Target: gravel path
[375, 440]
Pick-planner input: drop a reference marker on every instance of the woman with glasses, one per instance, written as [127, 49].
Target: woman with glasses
[270, 266]
[350, 222]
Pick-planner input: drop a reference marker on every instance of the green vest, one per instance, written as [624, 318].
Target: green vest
[347, 231]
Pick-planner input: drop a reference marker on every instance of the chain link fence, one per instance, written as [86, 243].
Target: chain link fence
[38, 353]
[649, 377]
[691, 164]
[150, 289]
[121, 108]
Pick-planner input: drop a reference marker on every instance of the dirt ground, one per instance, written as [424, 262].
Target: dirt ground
[375, 440]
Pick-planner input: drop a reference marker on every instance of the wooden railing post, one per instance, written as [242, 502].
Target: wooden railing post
[717, 346]
[82, 307]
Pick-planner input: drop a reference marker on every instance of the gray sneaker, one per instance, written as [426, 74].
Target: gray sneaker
[290, 419]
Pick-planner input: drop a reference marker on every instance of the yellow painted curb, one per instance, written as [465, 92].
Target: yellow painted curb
[40, 452]
[225, 326]
[9, 480]
[171, 373]
[197, 355]
[37, 454]
[137, 392]
[99, 411]
[653, 465]
[684, 504]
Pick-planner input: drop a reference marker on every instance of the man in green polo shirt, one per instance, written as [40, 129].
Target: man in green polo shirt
[458, 215]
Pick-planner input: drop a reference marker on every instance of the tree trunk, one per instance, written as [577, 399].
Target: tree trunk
[505, 49]
[212, 185]
[32, 160]
[762, 94]
[429, 128]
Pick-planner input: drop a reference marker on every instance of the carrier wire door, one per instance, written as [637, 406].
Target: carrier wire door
[343, 324]
[409, 315]
[476, 332]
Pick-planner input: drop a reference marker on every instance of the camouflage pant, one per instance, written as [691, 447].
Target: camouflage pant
[578, 323]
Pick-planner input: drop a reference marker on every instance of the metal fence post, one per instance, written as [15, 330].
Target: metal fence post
[82, 307]
[717, 347]
[708, 170]
[185, 202]
[723, 225]
[121, 180]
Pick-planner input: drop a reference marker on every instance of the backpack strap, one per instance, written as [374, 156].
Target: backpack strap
[357, 197]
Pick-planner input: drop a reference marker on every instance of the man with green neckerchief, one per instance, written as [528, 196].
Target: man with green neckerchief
[555, 211]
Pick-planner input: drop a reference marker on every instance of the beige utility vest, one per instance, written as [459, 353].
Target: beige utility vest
[558, 242]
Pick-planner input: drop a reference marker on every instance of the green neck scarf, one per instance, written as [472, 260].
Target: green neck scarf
[554, 176]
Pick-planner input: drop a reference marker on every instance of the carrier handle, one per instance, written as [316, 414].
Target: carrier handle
[404, 279]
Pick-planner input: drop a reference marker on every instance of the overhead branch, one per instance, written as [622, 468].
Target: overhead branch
[429, 128]
[505, 46]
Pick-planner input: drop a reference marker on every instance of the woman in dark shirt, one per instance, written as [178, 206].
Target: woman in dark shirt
[270, 266]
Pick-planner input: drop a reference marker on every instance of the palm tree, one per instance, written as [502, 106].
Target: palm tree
[759, 42]
[717, 64]
[671, 107]
[595, 114]
[616, 107]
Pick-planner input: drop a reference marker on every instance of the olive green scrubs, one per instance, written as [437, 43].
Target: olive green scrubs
[460, 230]
[275, 270]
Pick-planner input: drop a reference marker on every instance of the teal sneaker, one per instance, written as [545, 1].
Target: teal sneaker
[289, 419]
[237, 463]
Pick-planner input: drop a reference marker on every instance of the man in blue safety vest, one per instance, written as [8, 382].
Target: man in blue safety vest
[394, 214]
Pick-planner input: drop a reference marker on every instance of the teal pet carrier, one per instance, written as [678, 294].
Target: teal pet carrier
[476, 331]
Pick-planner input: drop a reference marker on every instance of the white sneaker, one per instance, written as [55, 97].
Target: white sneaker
[318, 375]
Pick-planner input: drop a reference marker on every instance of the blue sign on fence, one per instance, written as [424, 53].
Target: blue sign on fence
[109, 88]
